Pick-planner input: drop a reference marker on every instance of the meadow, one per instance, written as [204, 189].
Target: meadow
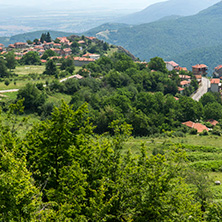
[204, 154]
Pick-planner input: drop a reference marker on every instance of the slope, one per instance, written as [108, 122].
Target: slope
[168, 8]
[169, 38]
[31, 35]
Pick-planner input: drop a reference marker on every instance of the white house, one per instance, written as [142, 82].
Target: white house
[171, 65]
[215, 85]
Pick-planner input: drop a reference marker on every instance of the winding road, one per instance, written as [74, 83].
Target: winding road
[202, 90]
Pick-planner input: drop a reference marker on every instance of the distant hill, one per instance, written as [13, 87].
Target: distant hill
[168, 8]
[31, 36]
[169, 39]
[211, 56]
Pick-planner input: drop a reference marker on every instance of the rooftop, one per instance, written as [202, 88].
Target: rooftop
[199, 66]
[215, 81]
[172, 63]
[198, 126]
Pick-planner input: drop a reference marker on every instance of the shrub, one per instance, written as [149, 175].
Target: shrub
[193, 131]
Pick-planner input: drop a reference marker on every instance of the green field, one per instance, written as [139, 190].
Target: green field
[204, 153]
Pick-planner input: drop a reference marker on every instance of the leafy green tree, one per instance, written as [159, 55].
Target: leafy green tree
[31, 58]
[50, 68]
[48, 53]
[3, 68]
[75, 47]
[7, 82]
[213, 111]
[10, 60]
[33, 98]
[157, 64]
[68, 65]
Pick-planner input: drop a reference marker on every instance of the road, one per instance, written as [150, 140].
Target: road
[202, 90]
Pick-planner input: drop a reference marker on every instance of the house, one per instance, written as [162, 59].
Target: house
[171, 65]
[81, 42]
[64, 40]
[198, 126]
[215, 85]
[80, 61]
[185, 83]
[178, 69]
[180, 90]
[218, 71]
[198, 78]
[41, 52]
[20, 45]
[185, 77]
[91, 38]
[212, 122]
[200, 69]
[91, 56]
[58, 51]
[57, 45]
[66, 52]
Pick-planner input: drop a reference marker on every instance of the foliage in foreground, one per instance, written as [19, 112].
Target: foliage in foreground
[61, 171]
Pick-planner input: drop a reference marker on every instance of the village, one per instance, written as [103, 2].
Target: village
[63, 48]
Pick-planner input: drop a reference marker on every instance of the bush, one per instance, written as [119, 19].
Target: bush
[204, 133]
[193, 131]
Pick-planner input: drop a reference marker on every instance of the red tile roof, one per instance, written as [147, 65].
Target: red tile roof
[199, 66]
[215, 81]
[20, 43]
[213, 122]
[218, 67]
[172, 63]
[184, 77]
[180, 89]
[43, 60]
[198, 126]
[181, 68]
[183, 83]
[176, 98]
[81, 42]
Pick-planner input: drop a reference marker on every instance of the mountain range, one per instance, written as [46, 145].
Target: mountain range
[168, 39]
[160, 10]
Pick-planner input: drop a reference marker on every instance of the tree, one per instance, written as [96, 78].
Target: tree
[75, 47]
[50, 68]
[68, 65]
[213, 111]
[10, 60]
[45, 37]
[48, 53]
[31, 58]
[157, 64]
[3, 68]
[33, 98]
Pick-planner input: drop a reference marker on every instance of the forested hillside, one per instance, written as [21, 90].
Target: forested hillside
[169, 39]
[160, 10]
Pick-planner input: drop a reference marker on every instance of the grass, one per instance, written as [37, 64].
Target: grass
[27, 69]
[205, 152]
[57, 98]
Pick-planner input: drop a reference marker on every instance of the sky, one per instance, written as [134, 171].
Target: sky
[83, 4]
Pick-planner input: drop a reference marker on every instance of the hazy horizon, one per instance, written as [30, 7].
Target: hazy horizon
[78, 4]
